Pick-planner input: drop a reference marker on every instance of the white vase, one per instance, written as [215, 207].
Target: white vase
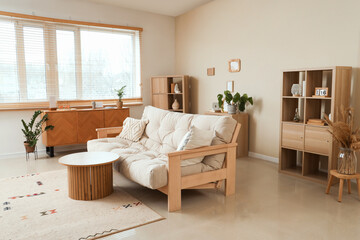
[175, 105]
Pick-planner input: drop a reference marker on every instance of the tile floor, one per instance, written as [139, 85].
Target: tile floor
[267, 205]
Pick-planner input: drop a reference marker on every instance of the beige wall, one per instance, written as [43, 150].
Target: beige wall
[268, 36]
[158, 51]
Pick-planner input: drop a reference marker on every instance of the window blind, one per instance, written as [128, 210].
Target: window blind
[39, 59]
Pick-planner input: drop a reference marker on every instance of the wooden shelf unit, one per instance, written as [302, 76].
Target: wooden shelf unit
[163, 98]
[308, 151]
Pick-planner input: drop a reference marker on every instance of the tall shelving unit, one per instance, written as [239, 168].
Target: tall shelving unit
[161, 94]
[308, 151]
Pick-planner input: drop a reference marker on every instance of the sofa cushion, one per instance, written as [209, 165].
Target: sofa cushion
[133, 129]
[195, 138]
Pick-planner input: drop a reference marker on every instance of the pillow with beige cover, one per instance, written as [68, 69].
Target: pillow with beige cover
[195, 138]
[133, 129]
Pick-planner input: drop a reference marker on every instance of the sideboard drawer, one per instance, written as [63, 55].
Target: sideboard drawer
[292, 136]
[317, 140]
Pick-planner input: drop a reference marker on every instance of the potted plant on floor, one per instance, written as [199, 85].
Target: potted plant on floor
[348, 137]
[32, 131]
[120, 92]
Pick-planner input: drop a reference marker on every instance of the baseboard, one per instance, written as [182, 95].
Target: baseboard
[42, 152]
[264, 157]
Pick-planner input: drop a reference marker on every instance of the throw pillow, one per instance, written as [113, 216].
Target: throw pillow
[195, 138]
[133, 129]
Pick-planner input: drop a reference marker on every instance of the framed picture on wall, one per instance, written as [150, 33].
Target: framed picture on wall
[234, 65]
[230, 86]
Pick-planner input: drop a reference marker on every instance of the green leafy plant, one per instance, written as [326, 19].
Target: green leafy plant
[237, 99]
[243, 100]
[220, 98]
[32, 130]
[120, 92]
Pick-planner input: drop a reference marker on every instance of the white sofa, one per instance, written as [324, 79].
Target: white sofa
[147, 161]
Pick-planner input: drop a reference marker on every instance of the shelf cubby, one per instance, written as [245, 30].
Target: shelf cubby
[317, 108]
[316, 166]
[289, 107]
[291, 78]
[291, 161]
[318, 78]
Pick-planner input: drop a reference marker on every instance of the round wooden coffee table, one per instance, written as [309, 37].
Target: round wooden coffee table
[90, 174]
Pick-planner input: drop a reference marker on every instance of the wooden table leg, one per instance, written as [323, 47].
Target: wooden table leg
[329, 184]
[349, 186]
[358, 184]
[341, 189]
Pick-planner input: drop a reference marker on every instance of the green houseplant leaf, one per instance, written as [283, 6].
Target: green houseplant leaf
[32, 130]
[220, 98]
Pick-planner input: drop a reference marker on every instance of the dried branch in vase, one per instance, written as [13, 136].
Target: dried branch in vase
[343, 130]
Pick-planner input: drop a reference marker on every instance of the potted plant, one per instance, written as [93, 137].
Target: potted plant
[32, 131]
[244, 99]
[231, 101]
[348, 137]
[120, 92]
[220, 98]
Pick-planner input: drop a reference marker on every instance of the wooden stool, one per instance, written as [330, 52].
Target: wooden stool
[342, 177]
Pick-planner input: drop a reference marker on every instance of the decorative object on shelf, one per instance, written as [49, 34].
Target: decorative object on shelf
[120, 92]
[296, 116]
[93, 104]
[175, 105]
[348, 137]
[234, 65]
[321, 92]
[172, 88]
[177, 89]
[215, 107]
[211, 71]
[315, 121]
[230, 86]
[303, 87]
[296, 90]
[32, 132]
[52, 103]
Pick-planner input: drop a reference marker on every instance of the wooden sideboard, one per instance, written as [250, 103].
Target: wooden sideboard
[78, 126]
[243, 138]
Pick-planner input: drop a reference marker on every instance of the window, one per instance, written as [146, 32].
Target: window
[39, 59]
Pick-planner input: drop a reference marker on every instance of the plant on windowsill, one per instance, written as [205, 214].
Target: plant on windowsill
[120, 92]
[32, 131]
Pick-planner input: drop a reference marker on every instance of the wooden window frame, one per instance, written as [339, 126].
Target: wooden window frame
[49, 74]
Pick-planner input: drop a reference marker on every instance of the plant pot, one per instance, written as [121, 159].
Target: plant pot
[347, 161]
[231, 109]
[119, 104]
[28, 148]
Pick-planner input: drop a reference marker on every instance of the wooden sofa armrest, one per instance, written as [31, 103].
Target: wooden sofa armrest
[201, 152]
[108, 132]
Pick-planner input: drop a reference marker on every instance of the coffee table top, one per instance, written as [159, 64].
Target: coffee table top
[88, 159]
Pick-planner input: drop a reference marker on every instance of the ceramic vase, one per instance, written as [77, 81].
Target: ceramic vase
[176, 105]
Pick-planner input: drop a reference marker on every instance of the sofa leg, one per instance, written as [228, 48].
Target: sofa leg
[230, 171]
[174, 184]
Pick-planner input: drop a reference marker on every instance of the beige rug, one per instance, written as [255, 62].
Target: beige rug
[37, 206]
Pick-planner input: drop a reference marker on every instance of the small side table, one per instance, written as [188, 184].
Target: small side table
[90, 175]
[342, 177]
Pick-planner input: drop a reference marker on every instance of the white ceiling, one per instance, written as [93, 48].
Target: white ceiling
[166, 7]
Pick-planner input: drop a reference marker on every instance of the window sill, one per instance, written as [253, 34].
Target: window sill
[126, 104]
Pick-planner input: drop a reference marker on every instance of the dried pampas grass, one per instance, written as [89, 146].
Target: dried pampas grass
[343, 130]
